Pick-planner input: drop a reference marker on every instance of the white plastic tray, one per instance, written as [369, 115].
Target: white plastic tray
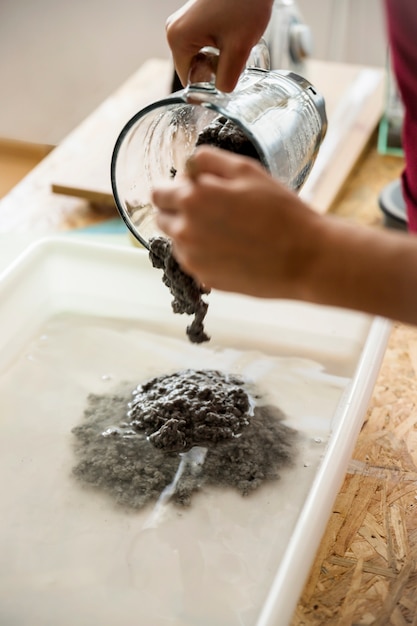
[69, 555]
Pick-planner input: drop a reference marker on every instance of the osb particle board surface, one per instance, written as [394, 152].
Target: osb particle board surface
[365, 569]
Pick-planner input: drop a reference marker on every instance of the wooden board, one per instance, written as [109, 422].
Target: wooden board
[366, 567]
[354, 103]
[87, 171]
[354, 97]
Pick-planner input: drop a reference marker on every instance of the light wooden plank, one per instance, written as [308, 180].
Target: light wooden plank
[83, 156]
[87, 171]
[354, 97]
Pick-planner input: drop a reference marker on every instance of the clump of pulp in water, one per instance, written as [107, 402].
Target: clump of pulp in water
[117, 452]
[180, 411]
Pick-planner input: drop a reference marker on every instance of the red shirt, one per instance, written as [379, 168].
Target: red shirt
[402, 32]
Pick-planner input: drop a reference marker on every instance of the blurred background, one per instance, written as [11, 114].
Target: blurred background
[60, 59]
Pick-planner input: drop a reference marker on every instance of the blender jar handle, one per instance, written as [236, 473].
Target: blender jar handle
[259, 57]
[202, 73]
[203, 68]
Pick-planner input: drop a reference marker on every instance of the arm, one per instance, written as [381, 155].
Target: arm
[232, 26]
[235, 228]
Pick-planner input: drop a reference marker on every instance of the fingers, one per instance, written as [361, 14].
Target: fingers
[229, 67]
[232, 26]
[186, 33]
[231, 63]
[220, 163]
[199, 24]
[168, 199]
[173, 200]
[174, 225]
[169, 223]
[206, 170]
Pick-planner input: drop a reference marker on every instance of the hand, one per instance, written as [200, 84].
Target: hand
[232, 26]
[236, 228]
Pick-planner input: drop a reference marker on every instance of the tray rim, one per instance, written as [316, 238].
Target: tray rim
[300, 551]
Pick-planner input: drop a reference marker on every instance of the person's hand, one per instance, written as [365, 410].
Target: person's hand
[235, 228]
[232, 26]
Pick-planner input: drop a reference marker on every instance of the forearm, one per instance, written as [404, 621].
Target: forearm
[364, 269]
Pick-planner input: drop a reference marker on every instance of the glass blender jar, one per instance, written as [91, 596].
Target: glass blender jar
[279, 113]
